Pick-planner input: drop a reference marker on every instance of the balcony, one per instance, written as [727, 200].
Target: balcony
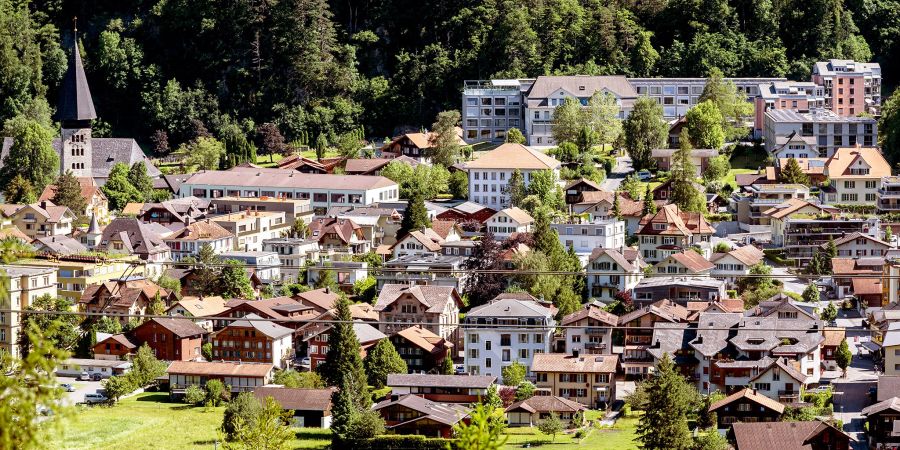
[788, 396]
[737, 381]
[637, 358]
[595, 346]
[595, 331]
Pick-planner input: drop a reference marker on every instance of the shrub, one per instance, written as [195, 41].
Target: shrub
[245, 407]
[217, 392]
[399, 442]
[194, 395]
[580, 434]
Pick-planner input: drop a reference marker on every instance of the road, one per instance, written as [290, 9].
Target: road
[614, 180]
[791, 283]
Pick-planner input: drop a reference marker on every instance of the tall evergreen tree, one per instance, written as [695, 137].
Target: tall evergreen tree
[791, 173]
[644, 129]
[616, 209]
[19, 191]
[137, 176]
[481, 287]
[649, 204]
[684, 194]
[664, 425]
[516, 188]
[381, 361]
[415, 216]
[68, 194]
[234, 282]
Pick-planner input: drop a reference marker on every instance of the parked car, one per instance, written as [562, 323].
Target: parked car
[644, 175]
[96, 376]
[67, 387]
[83, 376]
[305, 361]
[94, 398]
[460, 369]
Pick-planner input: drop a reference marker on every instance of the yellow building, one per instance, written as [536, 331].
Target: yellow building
[891, 346]
[76, 272]
[22, 285]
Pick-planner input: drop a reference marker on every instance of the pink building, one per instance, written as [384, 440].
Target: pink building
[800, 96]
[850, 87]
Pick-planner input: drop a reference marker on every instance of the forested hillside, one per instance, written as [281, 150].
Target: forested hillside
[176, 69]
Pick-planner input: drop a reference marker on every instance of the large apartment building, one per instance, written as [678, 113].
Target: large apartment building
[800, 96]
[828, 130]
[850, 87]
[22, 285]
[489, 175]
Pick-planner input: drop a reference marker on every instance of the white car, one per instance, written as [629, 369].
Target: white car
[644, 175]
[305, 361]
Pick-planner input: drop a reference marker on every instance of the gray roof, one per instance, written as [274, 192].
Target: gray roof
[888, 386]
[510, 308]
[367, 333]
[698, 282]
[428, 380]
[815, 115]
[138, 237]
[713, 330]
[435, 298]
[105, 153]
[61, 245]
[581, 86]
[75, 101]
[891, 338]
[669, 338]
[270, 329]
[445, 413]
[286, 179]
[768, 334]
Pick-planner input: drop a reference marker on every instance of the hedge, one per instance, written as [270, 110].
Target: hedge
[397, 442]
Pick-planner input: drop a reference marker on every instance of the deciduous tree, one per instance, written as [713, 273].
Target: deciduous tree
[515, 136]
[31, 154]
[551, 426]
[268, 431]
[644, 129]
[513, 374]
[703, 123]
[234, 282]
[444, 143]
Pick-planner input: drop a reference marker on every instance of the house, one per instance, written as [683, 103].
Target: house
[855, 175]
[171, 339]
[574, 189]
[97, 203]
[803, 237]
[527, 329]
[441, 388]
[670, 231]
[679, 289]
[616, 271]
[324, 191]
[585, 237]
[75, 272]
[859, 245]
[851, 87]
[309, 408]
[189, 240]
[198, 309]
[508, 221]
[374, 166]
[240, 376]
[266, 266]
[123, 298]
[795, 145]
[314, 337]
[780, 214]
[422, 350]
[132, 237]
[436, 307]
[434, 270]
[833, 338]
[303, 165]
[254, 339]
[586, 379]
[41, 219]
[59, 245]
[115, 348]
[286, 311]
[296, 210]
[796, 95]
[20, 287]
[700, 158]
[588, 331]
[73, 367]
[891, 350]
[531, 411]
[813, 435]
[687, 262]
[880, 419]
[182, 211]
[598, 205]
[467, 212]
[489, 174]
[858, 273]
[411, 414]
[422, 241]
[416, 146]
[736, 263]
[745, 406]
[751, 204]
[251, 228]
[783, 307]
[293, 253]
[338, 235]
[829, 130]
[637, 328]
[663, 193]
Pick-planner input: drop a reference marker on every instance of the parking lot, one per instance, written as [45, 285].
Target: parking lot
[81, 388]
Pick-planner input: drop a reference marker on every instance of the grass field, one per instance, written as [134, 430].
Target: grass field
[149, 421]
[619, 437]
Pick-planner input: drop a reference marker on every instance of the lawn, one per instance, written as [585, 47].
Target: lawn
[619, 437]
[730, 178]
[149, 421]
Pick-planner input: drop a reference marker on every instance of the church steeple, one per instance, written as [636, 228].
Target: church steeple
[75, 103]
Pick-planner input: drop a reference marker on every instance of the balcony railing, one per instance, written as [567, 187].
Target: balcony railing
[737, 381]
[591, 330]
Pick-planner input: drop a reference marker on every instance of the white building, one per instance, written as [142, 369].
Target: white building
[251, 228]
[828, 130]
[616, 270]
[855, 175]
[189, 240]
[527, 328]
[324, 191]
[293, 254]
[508, 221]
[489, 174]
[266, 265]
[22, 286]
[585, 237]
[733, 265]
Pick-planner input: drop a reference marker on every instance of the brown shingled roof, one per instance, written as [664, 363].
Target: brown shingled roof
[751, 395]
[298, 399]
[564, 362]
[424, 339]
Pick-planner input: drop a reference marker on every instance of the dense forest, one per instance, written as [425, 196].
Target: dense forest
[167, 71]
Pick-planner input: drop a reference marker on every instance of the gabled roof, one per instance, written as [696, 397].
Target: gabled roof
[857, 235]
[136, 236]
[592, 311]
[664, 309]
[510, 308]
[450, 381]
[60, 244]
[200, 231]
[121, 339]
[89, 189]
[567, 363]
[220, 369]
[751, 395]
[839, 165]
[181, 327]
[627, 206]
[629, 259]
[794, 205]
[779, 435]
[677, 222]
[429, 239]
[514, 156]
[692, 261]
[891, 404]
[345, 229]
[435, 298]
[748, 255]
[547, 404]
[323, 299]
[444, 413]
[424, 339]
[298, 399]
[200, 307]
[270, 329]
[582, 86]
[517, 214]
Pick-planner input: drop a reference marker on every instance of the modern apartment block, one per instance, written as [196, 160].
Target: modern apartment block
[803, 237]
[489, 175]
[506, 330]
[830, 130]
[800, 96]
[491, 107]
[759, 198]
[850, 87]
[888, 196]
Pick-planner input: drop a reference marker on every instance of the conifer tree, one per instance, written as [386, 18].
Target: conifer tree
[343, 367]
[415, 217]
[616, 211]
[516, 189]
[684, 194]
[649, 204]
[664, 425]
[381, 361]
[791, 173]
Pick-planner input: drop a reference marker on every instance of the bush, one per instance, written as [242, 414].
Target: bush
[366, 425]
[398, 442]
[194, 395]
[580, 434]
[246, 407]
[217, 392]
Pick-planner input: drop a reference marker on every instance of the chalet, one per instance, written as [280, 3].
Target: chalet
[422, 350]
[338, 235]
[509, 221]
[374, 166]
[687, 262]
[863, 273]
[182, 211]
[586, 379]
[188, 241]
[637, 327]
[753, 201]
[198, 309]
[124, 235]
[116, 348]
[308, 408]
[670, 231]
[97, 203]
[588, 331]
[123, 297]
[530, 412]
[855, 175]
[426, 240]
[411, 414]
[745, 406]
[813, 435]
[41, 219]
[304, 165]
[598, 205]
[240, 376]
[618, 270]
[415, 145]
[833, 338]
[679, 289]
[171, 339]
[442, 388]
[399, 306]
[254, 339]
[735, 263]
[574, 189]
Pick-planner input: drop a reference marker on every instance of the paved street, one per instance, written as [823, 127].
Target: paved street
[614, 180]
[791, 283]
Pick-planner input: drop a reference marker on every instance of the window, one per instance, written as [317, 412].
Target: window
[762, 386]
[523, 353]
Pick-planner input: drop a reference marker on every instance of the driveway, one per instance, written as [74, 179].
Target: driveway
[614, 180]
[791, 283]
[81, 388]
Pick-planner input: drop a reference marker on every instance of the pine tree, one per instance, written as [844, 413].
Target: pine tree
[649, 204]
[791, 173]
[811, 293]
[481, 287]
[68, 194]
[843, 357]
[684, 194]
[644, 129]
[545, 238]
[516, 189]
[19, 191]
[234, 282]
[415, 217]
[616, 210]
[664, 425]
[381, 361]
[343, 366]
[447, 366]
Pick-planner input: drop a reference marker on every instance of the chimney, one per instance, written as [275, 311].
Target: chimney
[575, 353]
[44, 204]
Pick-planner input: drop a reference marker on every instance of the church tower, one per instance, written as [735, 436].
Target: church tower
[75, 112]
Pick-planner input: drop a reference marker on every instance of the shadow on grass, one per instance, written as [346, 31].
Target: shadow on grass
[207, 442]
[157, 397]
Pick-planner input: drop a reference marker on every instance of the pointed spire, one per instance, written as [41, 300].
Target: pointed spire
[95, 225]
[75, 103]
